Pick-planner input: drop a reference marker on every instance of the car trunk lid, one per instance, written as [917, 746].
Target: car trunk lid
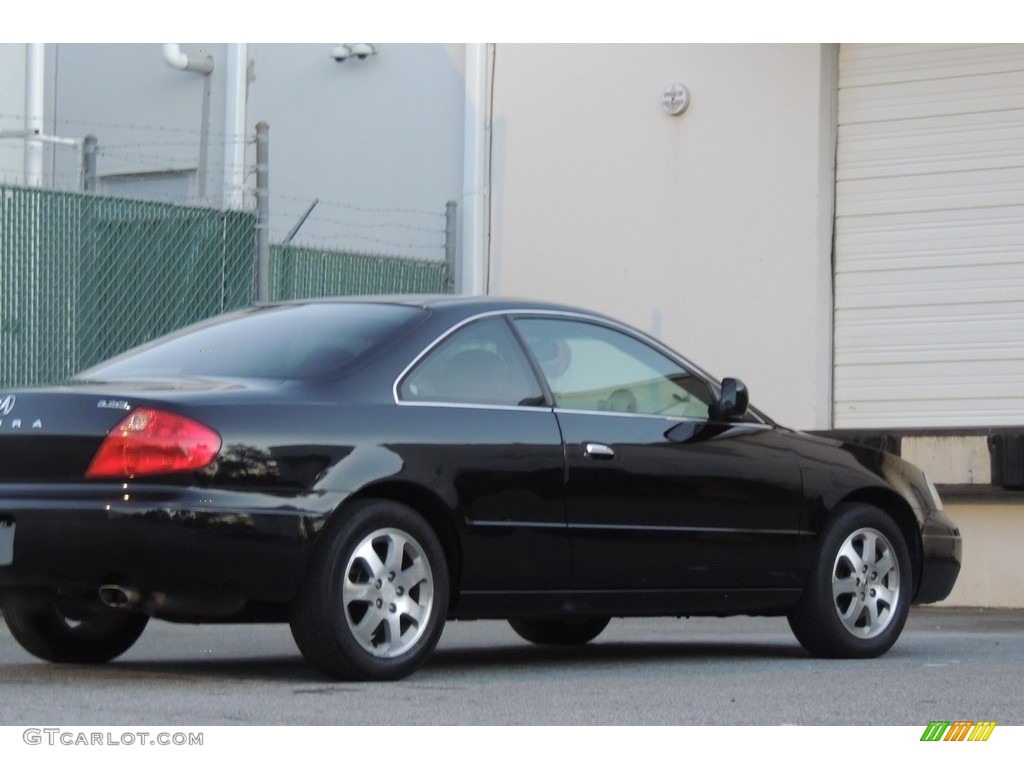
[52, 435]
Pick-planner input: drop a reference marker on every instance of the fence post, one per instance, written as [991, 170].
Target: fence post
[262, 214]
[450, 210]
[89, 163]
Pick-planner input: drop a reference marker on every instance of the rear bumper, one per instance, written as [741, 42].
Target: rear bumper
[186, 546]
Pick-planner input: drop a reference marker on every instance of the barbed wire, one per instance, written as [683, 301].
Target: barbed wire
[90, 126]
[359, 208]
[336, 243]
[340, 236]
[368, 225]
[71, 181]
[174, 151]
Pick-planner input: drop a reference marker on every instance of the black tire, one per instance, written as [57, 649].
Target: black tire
[576, 631]
[858, 593]
[46, 632]
[374, 601]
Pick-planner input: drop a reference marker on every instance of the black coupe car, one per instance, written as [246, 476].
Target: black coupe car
[368, 469]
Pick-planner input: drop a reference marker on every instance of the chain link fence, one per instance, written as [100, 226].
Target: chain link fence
[298, 273]
[84, 277]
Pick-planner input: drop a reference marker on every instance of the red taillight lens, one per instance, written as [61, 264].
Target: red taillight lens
[150, 442]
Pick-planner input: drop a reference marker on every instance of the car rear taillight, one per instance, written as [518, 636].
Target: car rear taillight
[150, 442]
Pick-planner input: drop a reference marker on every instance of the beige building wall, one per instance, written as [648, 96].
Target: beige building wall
[992, 575]
[991, 520]
[711, 230]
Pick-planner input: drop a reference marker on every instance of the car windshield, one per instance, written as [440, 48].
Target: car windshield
[301, 341]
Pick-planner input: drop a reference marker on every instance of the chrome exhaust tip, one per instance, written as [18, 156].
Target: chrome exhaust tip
[116, 596]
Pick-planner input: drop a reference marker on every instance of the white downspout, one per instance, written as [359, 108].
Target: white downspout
[234, 125]
[472, 271]
[35, 100]
[178, 59]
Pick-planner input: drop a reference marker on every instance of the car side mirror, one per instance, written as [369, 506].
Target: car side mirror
[732, 403]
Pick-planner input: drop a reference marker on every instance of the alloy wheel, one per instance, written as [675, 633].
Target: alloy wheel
[865, 583]
[388, 592]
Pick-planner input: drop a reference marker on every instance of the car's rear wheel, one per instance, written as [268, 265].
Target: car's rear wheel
[858, 594]
[52, 634]
[375, 599]
[576, 631]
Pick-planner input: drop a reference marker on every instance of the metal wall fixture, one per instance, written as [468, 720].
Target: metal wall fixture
[345, 51]
[675, 99]
[178, 59]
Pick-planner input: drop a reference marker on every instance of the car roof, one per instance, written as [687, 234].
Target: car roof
[457, 303]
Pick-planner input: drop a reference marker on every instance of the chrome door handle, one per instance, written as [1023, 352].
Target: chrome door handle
[598, 451]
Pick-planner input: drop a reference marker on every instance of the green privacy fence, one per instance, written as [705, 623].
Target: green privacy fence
[83, 277]
[297, 273]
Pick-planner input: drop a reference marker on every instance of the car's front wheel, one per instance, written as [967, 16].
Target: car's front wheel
[576, 631]
[374, 602]
[857, 597]
[55, 635]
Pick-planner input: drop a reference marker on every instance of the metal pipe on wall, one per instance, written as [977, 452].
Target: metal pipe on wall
[178, 59]
[472, 273]
[234, 125]
[35, 91]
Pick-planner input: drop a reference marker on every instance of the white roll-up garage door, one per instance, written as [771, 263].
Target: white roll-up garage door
[929, 293]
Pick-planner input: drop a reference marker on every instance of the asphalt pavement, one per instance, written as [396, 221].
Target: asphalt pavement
[949, 664]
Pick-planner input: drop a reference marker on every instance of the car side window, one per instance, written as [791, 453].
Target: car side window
[595, 368]
[480, 364]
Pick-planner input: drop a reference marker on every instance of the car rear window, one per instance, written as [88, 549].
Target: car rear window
[302, 341]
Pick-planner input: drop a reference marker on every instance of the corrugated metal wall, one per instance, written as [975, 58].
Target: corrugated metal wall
[929, 307]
